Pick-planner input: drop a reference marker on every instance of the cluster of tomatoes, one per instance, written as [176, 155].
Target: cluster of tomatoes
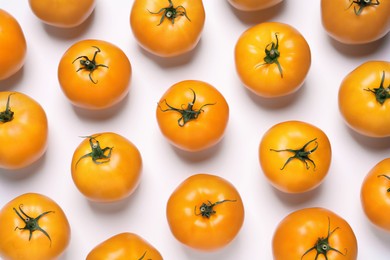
[205, 212]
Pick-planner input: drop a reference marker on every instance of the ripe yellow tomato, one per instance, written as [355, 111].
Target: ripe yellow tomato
[94, 74]
[106, 167]
[295, 156]
[375, 195]
[253, 5]
[23, 130]
[124, 246]
[62, 13]
[205, 212]
[355, 22]
[314, 233]
[192, 115]
[272, 59]
[34, 227]
[167, 28]
[13, 46]
[364, 99]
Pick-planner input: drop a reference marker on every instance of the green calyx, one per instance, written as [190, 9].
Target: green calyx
[99, 155]
[272, 55]
[207, 209]
[361, 4]
[171, 12]
[7, 115]
[381, 93]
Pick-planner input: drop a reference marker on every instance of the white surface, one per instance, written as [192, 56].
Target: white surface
[235, 158]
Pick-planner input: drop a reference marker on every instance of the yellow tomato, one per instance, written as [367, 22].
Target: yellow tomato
[253, 5]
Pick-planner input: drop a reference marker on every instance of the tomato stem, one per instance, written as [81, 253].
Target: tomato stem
[97, 154]
[300, 154]
[362, 4]
[7, 115]
[272, 55]
[171, 13]
[387, 177]
[207, 209]
[381, 93]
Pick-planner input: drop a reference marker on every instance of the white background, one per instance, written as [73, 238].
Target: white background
[235, 158]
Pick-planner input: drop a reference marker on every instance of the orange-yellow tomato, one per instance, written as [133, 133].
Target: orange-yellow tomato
[106, 167]
[314, 233]
[364, 99]
[295, 156]
[355, 22]
[94, 74]
[192, 115]
[253, 5]
[272, 59]
[13, 46]
[167, 28]
[205, 212]
[23, 130]
[375, 195]
[124, 246]
[33, 227]
[62, 13]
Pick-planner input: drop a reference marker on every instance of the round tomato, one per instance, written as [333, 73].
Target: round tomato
[375, 195]
[295, 156]
[364, 99]
[124, 246]
[192, 115]
[314, 233]
[34, 227]
[272, 59]
[253, 5]
[205, 212]
[23, 130]
[106, 167]
[13, 46]
[167, 28]
[62, 13]
[94, 74]
[355, 22]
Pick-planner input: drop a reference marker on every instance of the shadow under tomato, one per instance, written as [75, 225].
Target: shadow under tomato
[24, 173]
[382, 235]
[294, 199]
[372, 143]
[8, 83]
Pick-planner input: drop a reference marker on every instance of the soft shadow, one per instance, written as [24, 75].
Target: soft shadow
[12, 81]
[24, 173]
[382, 235]
[370, 142]
[292, 199]
[256, 17]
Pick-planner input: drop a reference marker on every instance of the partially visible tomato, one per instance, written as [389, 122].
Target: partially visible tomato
[124, 246]
[94, 74]
[356, 22]
[205, 212]
[13, 46]
[314, 233]
[23, 130]
[33, 227]
[272, 59]
[364, 99]
[106, 167]
[62, 13]
[253, 5]
[167, 28]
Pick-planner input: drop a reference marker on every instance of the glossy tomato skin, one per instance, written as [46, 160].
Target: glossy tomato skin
[199, 133]
[265, 78]
[62, 13]
[167, 37]
[253, 5]
[15, 243]
[303, 173]
[113, 176]
[375, 195]
[200, 232]
[124, 246]
[24, 138]
[358, 104]
[342, 22]
[299, 232]
[13, 46]
[98, 88]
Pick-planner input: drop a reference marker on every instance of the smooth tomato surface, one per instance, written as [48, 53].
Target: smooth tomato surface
[205, 212]
[23, 130]
[167, 28]
[364, 99]
[375, 195]
[192, 115]
[295, 156]
[124, 246]
[106, 167]
[34, 227]
[253, 5]
[13, 46]
[314, 233]
[356, 22]
[62, 13]
[272, 59]
[94, 74]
